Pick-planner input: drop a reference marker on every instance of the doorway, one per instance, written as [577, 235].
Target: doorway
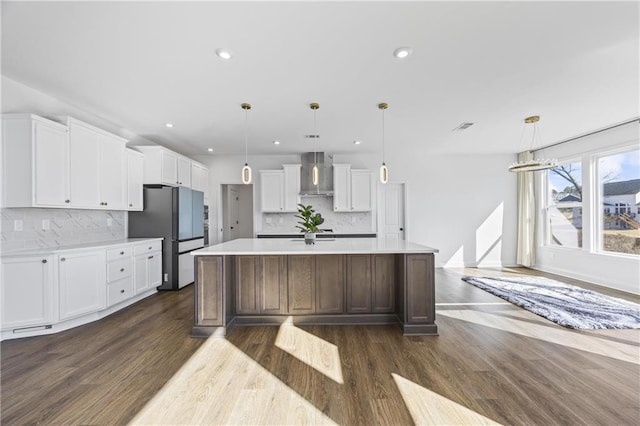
[237, 211]
[392, 212]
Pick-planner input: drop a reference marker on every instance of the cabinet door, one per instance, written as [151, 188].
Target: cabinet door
[26, 292]
[154, 261]
[84, 167]
[247, 284]
[112, 172]
[271, 190]
[341, 187]
[361, 190]
[291, 188]
[301, 284]
[169, 168]
[420, 289]
[51, 168]
[140, 274]
[383, 282]
[135, 176]
[329, 283]
[199, 178]
[359, 283]
[81, 283]
[184, 172]
[273, 286]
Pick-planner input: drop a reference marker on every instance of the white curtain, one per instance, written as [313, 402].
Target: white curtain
[526, 255]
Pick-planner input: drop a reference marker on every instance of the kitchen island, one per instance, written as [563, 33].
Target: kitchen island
[341, 281]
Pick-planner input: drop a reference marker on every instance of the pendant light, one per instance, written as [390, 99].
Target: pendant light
[315, 172]
[535, 163]
[384, 171]
[246, 170]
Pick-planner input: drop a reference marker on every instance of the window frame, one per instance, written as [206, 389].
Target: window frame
[548, 203]
[597, 240]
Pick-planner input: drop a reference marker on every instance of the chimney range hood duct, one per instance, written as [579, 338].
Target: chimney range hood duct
[325, 182]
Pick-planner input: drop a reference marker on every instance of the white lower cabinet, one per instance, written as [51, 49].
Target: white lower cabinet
[81, 283]
[147, 271]
[62, 289]
[26, 292]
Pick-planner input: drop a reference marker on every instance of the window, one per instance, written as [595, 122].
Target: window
[619, 195]
[564, 205]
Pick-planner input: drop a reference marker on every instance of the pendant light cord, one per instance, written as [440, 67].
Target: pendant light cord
[383, 136]
[246, 137]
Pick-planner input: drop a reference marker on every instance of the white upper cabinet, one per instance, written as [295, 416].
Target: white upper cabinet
[135, 170]
[291, 189]
[342, 187]
[97, 167]
[165, 167]
[280, 189]
[353, 190]
[35, 155]
[271, 190]
[200, 179]
[184, 172]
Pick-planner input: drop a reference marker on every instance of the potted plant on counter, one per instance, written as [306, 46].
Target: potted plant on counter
[310, 222]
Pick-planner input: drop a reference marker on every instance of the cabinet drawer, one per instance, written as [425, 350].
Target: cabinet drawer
[147, 247]
[118, 269]
[118, 253]
[119, 291]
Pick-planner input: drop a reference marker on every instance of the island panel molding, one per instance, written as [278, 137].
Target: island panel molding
[360, 281]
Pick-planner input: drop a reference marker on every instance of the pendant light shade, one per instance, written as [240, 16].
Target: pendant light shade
[384, 170]
[315, 172]
[246, 170]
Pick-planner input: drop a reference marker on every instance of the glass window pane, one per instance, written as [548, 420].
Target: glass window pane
[566, 226]
[565, 183]
[619, 176]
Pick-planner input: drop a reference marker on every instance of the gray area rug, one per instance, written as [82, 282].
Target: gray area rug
[565, 304]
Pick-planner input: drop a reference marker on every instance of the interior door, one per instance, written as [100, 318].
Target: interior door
[391, 218]
[234, 213]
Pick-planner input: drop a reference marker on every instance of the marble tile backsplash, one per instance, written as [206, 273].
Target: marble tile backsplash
[66, 227]
[352, 223]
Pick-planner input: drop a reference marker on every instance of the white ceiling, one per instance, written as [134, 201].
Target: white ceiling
[143, 64]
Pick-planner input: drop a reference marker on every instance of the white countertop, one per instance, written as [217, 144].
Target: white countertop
[252, 246]
[97, 245]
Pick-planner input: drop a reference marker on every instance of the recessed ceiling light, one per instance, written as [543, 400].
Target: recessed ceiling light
[169, 125]
[357, 142]
[223, 54]
[402, 52]
[210, 149]
[276, 142]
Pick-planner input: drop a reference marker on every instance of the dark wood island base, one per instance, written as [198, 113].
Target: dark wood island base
[333, 289]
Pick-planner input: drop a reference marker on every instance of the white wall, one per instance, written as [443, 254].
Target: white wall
[463, 205]
[611, 270]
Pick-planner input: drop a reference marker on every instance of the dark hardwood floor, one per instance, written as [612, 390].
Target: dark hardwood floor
[492, 360]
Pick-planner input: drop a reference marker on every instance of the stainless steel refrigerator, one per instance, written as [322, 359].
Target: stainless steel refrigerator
[177, 215]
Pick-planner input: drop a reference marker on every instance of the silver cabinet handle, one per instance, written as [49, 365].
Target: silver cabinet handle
[44, 260]
[121, 291]
[130, 205]
[121, 253]
[149, 248]
[121, 269]
[150, 257]
[67, 201]
[62, 259]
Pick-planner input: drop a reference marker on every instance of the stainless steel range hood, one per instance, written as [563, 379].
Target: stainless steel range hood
[325, 181]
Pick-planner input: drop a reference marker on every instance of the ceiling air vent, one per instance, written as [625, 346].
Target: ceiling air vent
[311, 136]
[463, 126]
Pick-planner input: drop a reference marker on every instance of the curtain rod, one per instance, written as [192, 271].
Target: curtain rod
[588, 134]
